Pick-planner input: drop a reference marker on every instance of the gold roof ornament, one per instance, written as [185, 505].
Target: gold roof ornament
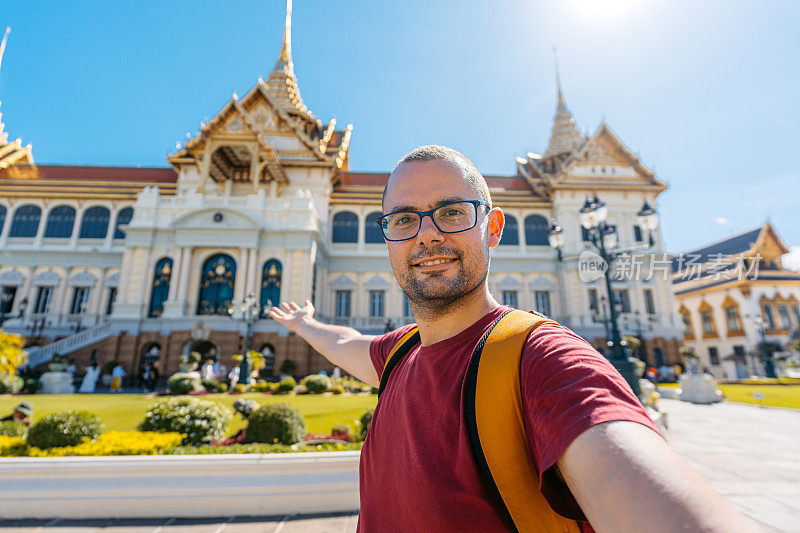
[565, 136]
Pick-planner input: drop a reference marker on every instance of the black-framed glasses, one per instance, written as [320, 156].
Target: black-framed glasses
[452, 217]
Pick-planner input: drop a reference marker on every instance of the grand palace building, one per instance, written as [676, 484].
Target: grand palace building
[131, 263]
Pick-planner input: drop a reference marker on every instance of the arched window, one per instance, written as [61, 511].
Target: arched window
[372, 232]
[2, 217]
[123, 217]
[60, 222]
[160, 290]
[216, 285]
[95, 223]
[536, 230]
[26, 221]
[510, 231]
[270, 285]
[345, 227]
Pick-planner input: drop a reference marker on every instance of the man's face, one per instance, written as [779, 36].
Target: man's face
[462, 258]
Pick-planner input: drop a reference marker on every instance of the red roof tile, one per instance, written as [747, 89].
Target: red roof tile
[79, 172]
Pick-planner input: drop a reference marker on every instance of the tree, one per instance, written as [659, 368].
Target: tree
[12, 356]
[287, 367]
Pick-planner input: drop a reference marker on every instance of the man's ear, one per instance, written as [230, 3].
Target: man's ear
[496, 223]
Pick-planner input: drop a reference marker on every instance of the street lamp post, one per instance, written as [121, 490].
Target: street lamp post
[593, 218]
[246, 310]
[766, 358]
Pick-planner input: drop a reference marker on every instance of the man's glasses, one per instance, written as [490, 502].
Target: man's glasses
[451, 217]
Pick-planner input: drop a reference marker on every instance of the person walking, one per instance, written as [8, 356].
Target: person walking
[89, 382]
[596, 459]
[116, 378]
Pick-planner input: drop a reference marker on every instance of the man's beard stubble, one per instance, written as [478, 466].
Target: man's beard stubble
[430, 296]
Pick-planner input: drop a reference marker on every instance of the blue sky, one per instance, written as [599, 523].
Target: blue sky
[706, 92]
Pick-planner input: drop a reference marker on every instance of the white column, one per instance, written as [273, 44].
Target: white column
[251, 273]
[40, 230]
[241, 274]
[177, 272]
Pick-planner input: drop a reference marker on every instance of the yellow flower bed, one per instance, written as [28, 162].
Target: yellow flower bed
[11, 446]
[115, 443]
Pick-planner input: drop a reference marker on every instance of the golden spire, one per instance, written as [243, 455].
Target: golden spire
[282, 82]
[284, 62]
[565, 136]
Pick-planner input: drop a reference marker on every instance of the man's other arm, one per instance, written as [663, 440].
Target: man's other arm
[342, 346]
[626, 477]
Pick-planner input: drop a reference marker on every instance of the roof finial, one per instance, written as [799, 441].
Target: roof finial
[285, 58]
[558, 78]
[3, 44]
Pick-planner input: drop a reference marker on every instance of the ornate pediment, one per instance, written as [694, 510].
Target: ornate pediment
[216, 220]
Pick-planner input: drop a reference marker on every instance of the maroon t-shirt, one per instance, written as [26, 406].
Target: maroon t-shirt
[417, 471]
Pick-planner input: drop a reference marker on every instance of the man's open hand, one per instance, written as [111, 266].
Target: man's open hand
[292, 315]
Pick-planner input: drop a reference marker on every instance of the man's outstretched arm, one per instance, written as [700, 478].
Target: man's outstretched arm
[626, 477]
[342, 346]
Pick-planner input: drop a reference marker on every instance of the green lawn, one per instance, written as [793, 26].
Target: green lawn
[774, 395]
[124, 411]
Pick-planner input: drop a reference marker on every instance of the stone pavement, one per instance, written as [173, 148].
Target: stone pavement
[337, 523]
[749, 454]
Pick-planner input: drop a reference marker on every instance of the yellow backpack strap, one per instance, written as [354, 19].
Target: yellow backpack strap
[396, 354]
[494, 419]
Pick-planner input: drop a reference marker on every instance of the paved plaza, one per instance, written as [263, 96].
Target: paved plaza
[748, 453]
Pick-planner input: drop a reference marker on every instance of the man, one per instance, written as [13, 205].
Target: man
[598, 455]
[23, 414]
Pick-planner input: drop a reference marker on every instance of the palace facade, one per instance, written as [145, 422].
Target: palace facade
[131, 263]
[733, 296]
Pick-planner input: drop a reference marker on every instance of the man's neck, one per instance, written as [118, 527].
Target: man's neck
[445, 325]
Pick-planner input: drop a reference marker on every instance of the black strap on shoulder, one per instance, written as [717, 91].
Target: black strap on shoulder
[396, 358]
[470, 387]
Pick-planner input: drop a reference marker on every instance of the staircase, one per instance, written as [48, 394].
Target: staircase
[42, 354]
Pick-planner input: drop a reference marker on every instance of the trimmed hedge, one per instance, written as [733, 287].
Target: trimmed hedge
[184, 383]
[200, 421]
[67, 428]
[9, 428]
[11, 384]
[276, 423]
[317, 383]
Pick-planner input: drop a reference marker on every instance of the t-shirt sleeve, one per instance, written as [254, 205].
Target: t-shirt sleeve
[568, 387]
[381, 345]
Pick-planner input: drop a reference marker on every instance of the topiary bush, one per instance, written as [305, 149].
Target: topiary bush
[337, 389]
[9, 428]
[11, 384]
[201, 421]
[223, 387]
[260, 386]
[286, 385]
[32, 385]
[276, 423]
[317, 384]
[366, 420]
[240, 388]
[66, 428]
[184, 383]
[210, 384]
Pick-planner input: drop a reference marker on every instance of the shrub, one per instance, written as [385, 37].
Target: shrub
[9, 428]
[286, 385]
[240, 388]
[366, 420]
[210, 384]
[260, 386]
[223, 387]
[201, 421]
[116, 443]
[337, 389]
[184, 383]
[11, 446]
[317, 383]
[263, 448]
[11, 384]
[276, 423]
[32, 385]
[66, 428]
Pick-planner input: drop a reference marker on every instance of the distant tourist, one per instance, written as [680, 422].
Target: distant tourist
[116, 378]
[90, 379]
[220, 371]
[23, 414]
[233, 377]
[573, 450]
[207, 370]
